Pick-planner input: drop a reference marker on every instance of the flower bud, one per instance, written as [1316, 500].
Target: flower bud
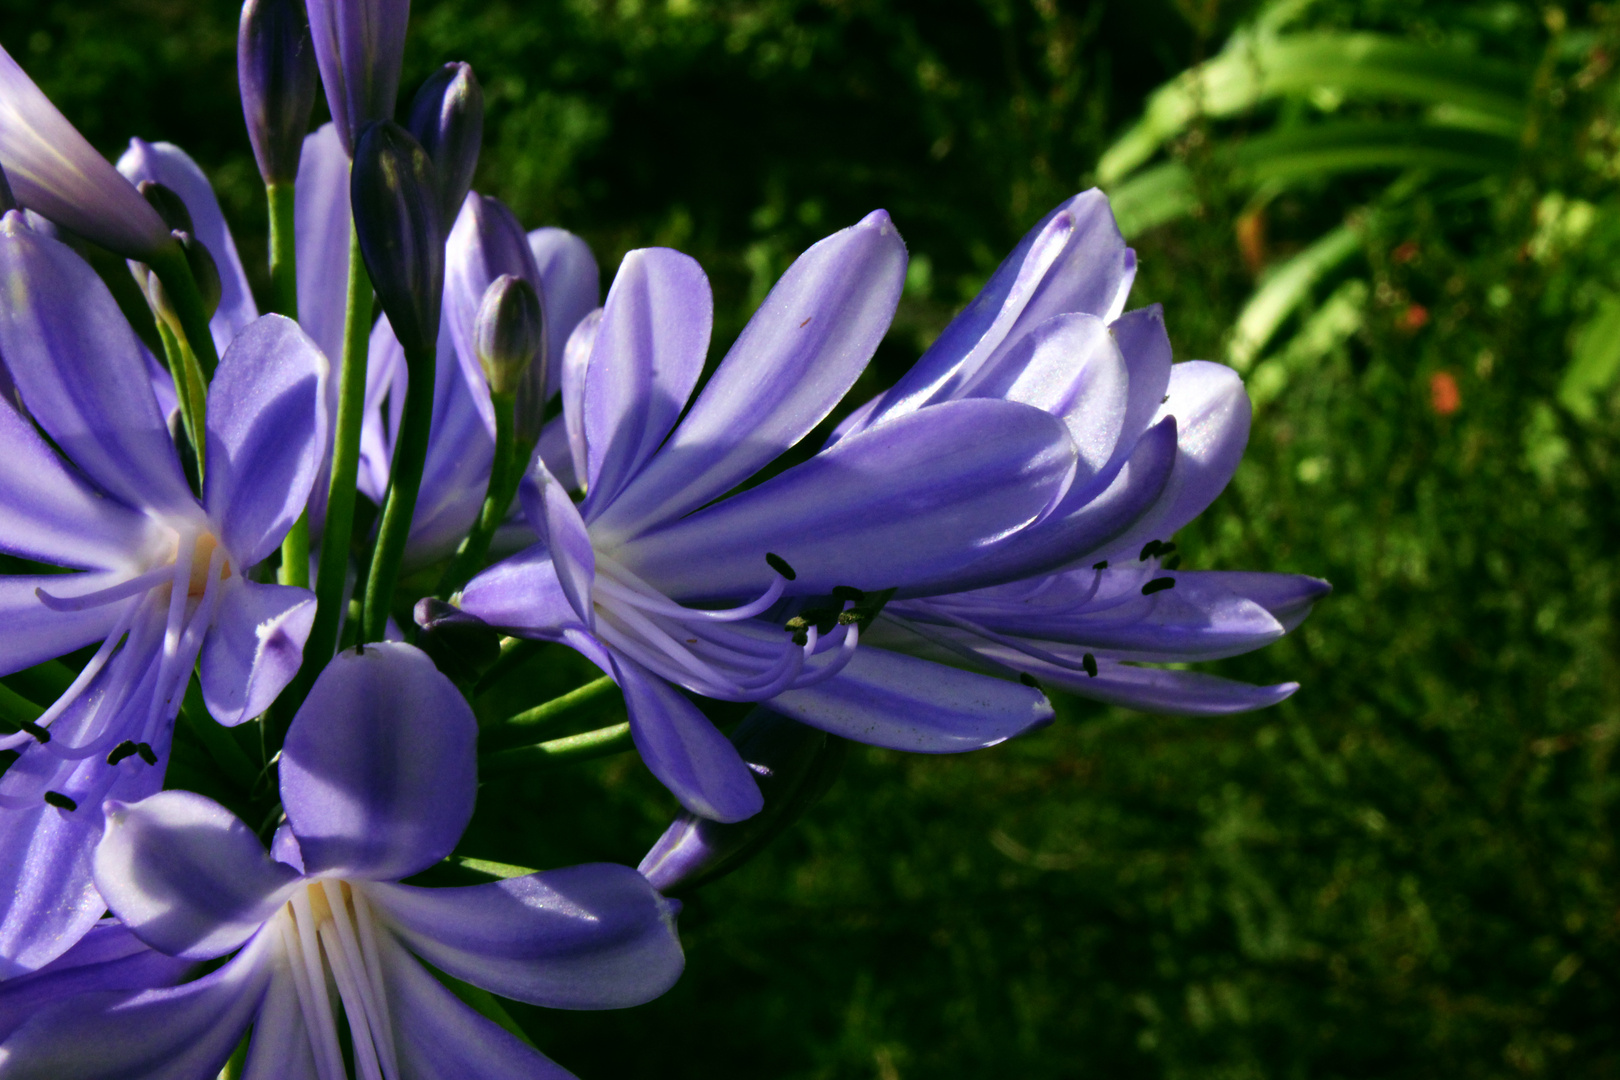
[395, 199]
[56, 173]
[203, 270]
[447, 118]
[359, 47]
[794, 765]
[170, 207]
[510, 332]
[275, 69]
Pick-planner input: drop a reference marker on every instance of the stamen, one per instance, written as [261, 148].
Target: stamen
[322, 1025]
[848, 592]
[846, 652]
[145, 751]
[113, 593]
[60, 801]
[1089, 662]
[1100, 565]
[780, 565]
[661, 605]
[121, 751]
[39, 733]
[1150, 549]
[1158, 585]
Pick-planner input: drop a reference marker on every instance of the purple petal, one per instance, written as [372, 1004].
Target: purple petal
[804, 347]
[254, 648]
[1145, 345]
[521, 594]
[266, 435]
[380, 764]
[562, 531]
[282, 1046]
[322, 226]
[1212, 427]
[184, 1031]
[584, 937]
[571, 285]
[51, 514]
[54, 171]
[359, 47]
[1157, 690]
[438, 1036]
[646, 359]
[187, 876]
[557, 455]
[31, 633]
[51, 900]
[576, 357]
[172, 167]
[485, 243]
[900, 702]
[80, 371]
[1289, 597]
[1073, 260]
[910, 500]
[683, 749]
[109, 957]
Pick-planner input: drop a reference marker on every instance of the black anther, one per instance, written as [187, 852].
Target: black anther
[1089, 662]
[146, 754]
[848, 592]
[1158, 584]
[780, 565]
[1100, 566]
[121, 751]
[60, 801]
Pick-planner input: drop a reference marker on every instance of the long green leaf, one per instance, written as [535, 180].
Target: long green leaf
[1356, 146]
[1282, 292]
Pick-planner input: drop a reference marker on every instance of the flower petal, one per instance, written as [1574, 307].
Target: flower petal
[172, 167]
[584, 937]
[521, 594]
[887, 699]
[803, 349]
[647, 357]
[51, 901]
[908, 501]
[576, 356]
[380, 764]
[31, 633]
[54, 171]
[281, 1047]
[1157, 690]
[79, 369]
[1145, 345]
[254, 648]
[571, 285]
[485, 242]
[1289, 597]
[186, 875]
[185, 1031]
[321, 222]
[109, 957]
[266, 435]
[438, 1036]
[561, 530]
[683, 749]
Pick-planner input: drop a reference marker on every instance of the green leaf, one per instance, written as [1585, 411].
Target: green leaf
[1282, 292]
[1594, 361]
[1318, 150]
[1152, 197]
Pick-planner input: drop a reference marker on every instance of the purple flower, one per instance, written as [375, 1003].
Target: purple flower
[359, 47]
[377, 779]
[160, 573]
[1082, 597]
[275, 72]
[664, 590]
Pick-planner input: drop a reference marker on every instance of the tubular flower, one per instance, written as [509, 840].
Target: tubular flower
[377, 779]
[163, 578]
[1083, 596]
[663, 590]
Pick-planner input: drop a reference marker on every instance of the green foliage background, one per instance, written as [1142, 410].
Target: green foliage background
[1409, 869]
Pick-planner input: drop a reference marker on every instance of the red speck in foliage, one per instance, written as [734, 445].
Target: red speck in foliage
[1414, 318]
[1444, 397]
[1405, 253]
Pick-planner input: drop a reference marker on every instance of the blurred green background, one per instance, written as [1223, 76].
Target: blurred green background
[1399, 219]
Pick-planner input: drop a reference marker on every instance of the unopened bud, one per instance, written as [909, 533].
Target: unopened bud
[393, 191]
[359, 48]
[509, 332]
[167, 202]
[275, 69]
[203, 271]
[447, 118]
[794, 765]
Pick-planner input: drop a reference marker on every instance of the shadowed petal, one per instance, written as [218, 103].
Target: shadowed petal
[254, 648]
[266, 435]
[910, 500]
[571, 286]
[55, 172]
[185, 1031]
[379, 767]
[805, 346]
[1145, 345]
[1157, 690]
[573, 559]
[280, 1048]
[109, 957]
[186, 875]
[683, 749]
[80, 371]
[172, 167]
[576, 356]
[886, 699]
[439, 1037]
[647, 356]
[485, 242]
[521, 594]
[584, 937]
[322, 228]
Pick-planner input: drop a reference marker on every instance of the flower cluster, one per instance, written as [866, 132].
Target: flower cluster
[190, 559]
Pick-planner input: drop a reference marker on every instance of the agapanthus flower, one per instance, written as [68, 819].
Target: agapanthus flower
[359, 48]
[164, 576]
[377, 780]
[635, 577]
[1082, 598]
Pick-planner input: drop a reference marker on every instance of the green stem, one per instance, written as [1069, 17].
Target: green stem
[515, 652]
[172, 269]
[404, 484]
[16, 711]
[505, 472]
[549, 714]
[188, 387]
[582, 747]
[283, 251]
[294, 569]
[334, 564]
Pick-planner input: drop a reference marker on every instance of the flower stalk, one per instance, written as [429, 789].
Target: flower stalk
[404, 485]
[585, 746]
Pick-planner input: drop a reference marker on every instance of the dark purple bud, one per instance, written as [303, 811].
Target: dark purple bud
[7, 200]
[275, 68]
[794, 765]
[447, 118]
[359, 47]
[509, 332]
[394, 195]
[167, 202]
